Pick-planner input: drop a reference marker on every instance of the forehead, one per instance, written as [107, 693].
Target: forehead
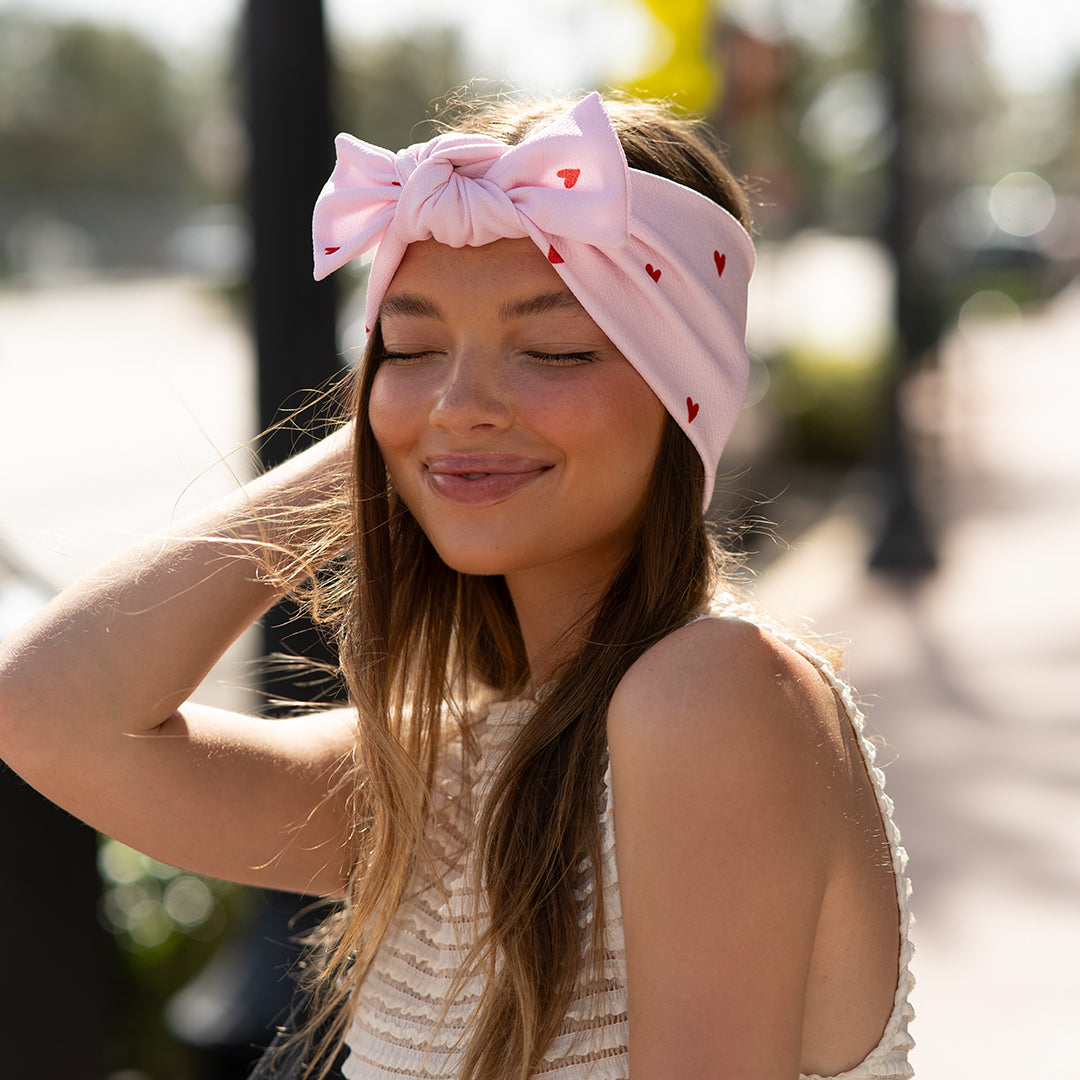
[503, 267]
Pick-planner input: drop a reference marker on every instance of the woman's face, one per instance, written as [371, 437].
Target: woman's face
[514, 430]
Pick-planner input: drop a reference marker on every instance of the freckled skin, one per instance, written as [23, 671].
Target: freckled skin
[546, 385]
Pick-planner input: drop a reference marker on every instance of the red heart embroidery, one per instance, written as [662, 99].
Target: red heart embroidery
[568, 176]
[654, 274]
[395, 183]
[691, 409]
[721, 262]
[330, 251]
[554, 256]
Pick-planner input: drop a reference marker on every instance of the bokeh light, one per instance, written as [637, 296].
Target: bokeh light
[145, 902]
[1022, 204]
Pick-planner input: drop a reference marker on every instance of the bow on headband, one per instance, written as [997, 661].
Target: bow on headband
[661, 269]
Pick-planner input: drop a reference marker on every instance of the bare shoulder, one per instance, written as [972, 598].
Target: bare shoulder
[726, 686]
[725, 747]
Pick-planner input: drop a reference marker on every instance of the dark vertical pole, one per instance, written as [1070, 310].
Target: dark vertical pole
[288, 116]
[56, 998]
[903, 545]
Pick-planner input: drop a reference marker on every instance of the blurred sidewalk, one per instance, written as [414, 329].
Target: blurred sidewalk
[969, 678]
[117, 395]
[125, 405]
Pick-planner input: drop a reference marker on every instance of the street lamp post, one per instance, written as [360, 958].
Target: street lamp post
[903, 545]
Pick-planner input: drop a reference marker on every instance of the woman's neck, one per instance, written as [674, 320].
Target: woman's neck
[553, 613]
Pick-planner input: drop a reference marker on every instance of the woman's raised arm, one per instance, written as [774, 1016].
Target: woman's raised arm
[93, 692]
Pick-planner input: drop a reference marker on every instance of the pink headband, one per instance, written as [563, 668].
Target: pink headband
[662, 270]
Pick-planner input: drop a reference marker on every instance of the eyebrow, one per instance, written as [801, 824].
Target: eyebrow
[406, 304]
[418, 306]
[538, 305]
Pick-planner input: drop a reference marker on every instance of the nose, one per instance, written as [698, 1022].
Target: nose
[473, 395]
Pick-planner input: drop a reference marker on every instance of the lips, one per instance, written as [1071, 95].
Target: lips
[482, 479]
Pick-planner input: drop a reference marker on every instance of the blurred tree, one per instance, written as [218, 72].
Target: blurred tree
[83, 105]
[93, 161]
[387, 89]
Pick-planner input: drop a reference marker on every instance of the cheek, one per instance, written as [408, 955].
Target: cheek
[392, 414]
[611, 432]
[627, 421]
[641, 422]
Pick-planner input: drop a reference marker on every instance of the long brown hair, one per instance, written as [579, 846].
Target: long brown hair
[421, 645]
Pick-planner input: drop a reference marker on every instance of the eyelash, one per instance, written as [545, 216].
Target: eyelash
[387, 357]
[564, 359]
[552, 359]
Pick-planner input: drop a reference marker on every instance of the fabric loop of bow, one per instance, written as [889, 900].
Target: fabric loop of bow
[465, 189]
[440, 202]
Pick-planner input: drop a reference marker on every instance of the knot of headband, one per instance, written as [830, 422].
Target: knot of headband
[661, 269]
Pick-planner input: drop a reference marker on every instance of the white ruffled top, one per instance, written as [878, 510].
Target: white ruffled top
[405, 1024]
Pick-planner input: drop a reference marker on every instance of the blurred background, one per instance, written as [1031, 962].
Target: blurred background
[905, 473]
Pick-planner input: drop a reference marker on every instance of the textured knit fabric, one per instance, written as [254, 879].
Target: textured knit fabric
[406, 1025]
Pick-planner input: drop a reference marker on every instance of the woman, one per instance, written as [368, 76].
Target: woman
[537, 646]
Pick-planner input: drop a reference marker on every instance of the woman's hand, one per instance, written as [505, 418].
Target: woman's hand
[93, 692]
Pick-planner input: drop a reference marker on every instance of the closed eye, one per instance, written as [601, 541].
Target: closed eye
[563, 359]
[551, 359]
[388, 357]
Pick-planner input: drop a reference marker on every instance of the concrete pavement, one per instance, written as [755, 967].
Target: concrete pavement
[124, 404]
[970, 680]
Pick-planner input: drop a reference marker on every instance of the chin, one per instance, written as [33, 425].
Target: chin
[478, 559]
[505, 544]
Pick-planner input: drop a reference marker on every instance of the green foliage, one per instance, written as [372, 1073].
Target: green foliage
[167, 924]
[832, 405]
[151, 907]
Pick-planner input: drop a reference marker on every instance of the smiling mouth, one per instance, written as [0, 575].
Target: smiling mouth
[482, 483]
